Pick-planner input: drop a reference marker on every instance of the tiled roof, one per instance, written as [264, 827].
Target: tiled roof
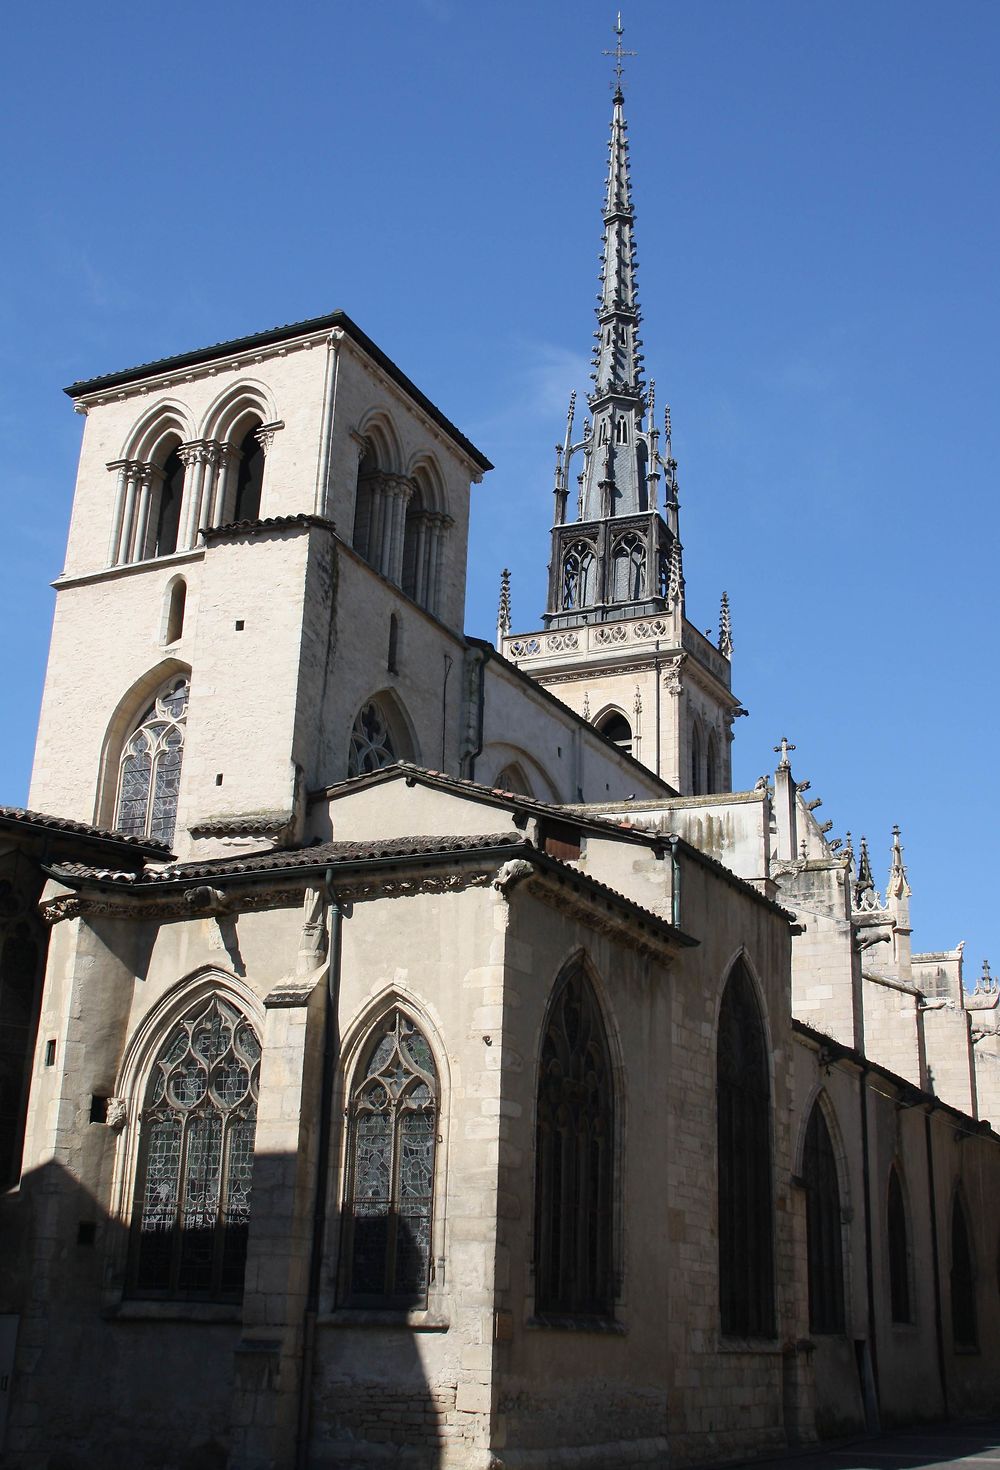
[321, 854]
[268, 523]
[283, 334]
[22, 816]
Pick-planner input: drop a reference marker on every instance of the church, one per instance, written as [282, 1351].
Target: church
[412, 1049]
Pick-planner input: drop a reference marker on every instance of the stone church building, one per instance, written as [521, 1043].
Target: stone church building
[414, 1050]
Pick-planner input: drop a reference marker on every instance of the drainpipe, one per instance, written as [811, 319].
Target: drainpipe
[334, 951]
[869, 1254]
[675, 882]
[938, 1320]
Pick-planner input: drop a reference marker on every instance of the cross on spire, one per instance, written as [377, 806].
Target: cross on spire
[619, 52]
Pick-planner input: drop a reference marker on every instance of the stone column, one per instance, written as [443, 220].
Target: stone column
[117, 514]
[147, 474]
[194, 473]
[210, 455]
[420, 561]
[403, 492]
[221, 511]
[128, 517]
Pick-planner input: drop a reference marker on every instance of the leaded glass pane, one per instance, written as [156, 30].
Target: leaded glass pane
[196, 1157]
[393, 1134]
[149, 777]
[823, 1227]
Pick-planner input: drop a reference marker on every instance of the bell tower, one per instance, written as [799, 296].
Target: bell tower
[616, 644]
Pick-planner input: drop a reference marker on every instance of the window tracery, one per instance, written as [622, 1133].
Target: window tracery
[574, 1156]
[823, 1227]
[746, 1248]
[629, 568]
[392, 1132]
[191, 1213]
[579, 575]
[150, 770]
[372, 744]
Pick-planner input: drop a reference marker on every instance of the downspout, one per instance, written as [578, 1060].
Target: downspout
[475, 731]
[938, 1320]
[869, 1252]
[334, 956]
[675, 882]
[444, 707]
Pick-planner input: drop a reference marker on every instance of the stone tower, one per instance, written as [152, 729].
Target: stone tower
[616, 645]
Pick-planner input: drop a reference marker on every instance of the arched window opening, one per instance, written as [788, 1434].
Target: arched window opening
[746, 1234]
[899, 1252]
[175, 610]
[823, 1227]
[168, 513]
[376, 740]
[513, 779]
[712, 782]
[363, 503]
[616, 728]
[196, 1145]
[392, 655]
[250, 479]
[579, 579]
[392, 1130]
[574, 1157]
[629, 569]
[963, 1279]
[150, 771]
[696, 766]
[621, 430]
[415, 549]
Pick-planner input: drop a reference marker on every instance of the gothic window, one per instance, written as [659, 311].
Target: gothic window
[150, 771]
[250, 480]
[392, 652]
[621, 430]
[963, 1279]
[513, 779]
[579, 576]
[392, 1130]
[712, 764]
[416, 545]
[696, 761]
[196, 1147]
[363, 504]
[616, 728]
[899, 1251]
[372, 745]
[746, 1249]
[629, 569]
[175, 610]
[168, 514]
[574, 1156]
[823, 1227]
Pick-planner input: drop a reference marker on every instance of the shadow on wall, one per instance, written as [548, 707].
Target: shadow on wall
[100, 1375]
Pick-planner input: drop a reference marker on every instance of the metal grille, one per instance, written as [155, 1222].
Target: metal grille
[575, 1131]
[393, 1130]
[192, 1200]
[823, 1227]
[746, 1249]
[150, 771]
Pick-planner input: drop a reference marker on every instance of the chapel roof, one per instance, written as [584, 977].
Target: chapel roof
[270, 337]
[24, 819]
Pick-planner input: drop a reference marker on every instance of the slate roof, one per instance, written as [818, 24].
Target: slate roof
[269, 338]
[19, 816]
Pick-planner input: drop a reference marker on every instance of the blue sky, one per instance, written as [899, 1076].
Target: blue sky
[818, 221]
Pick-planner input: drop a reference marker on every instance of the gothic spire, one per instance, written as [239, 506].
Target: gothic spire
[898, 886]
[865, 883]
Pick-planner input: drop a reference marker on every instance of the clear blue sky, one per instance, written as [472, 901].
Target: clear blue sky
[818, 224]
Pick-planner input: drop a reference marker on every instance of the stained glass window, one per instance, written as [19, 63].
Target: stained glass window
[746, 1231]
[196, 1131]
[899, 1252]
[393, 1129]
[150, 771]
[574, 1157]
[823, 1227]
[963, 1279]
[372, 745]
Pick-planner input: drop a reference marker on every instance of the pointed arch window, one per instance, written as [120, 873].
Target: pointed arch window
[696, 762]
[191, 1213]
[579, 575]
[392, 1131]
[964, 1327]
[746, 1225]
[168, 511]
[712, 765]
[899, 1251]
[574, 1156]
[823, 1226]
[629, 569]
[373, 744]
[250, 479]
[616, 728]
[150, 770]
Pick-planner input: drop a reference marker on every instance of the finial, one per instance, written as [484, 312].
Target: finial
[897, 886]
[725, 628]
[865, 884]
[675, 575]
[503, 611]
[618, 53]
[586, 704]
[783, 750]
[985, 984]
[849, 849]
[651, 405]
[666, 426]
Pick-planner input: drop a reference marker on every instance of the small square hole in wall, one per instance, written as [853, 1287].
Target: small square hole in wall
[86, 1232]
[240, 625]
[50, 1053]
[218, 779]
[98, 1109]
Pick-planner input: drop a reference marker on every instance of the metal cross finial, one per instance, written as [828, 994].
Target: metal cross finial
[619, 51]
[783, 750]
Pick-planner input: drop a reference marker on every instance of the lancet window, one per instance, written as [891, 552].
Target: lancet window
[191, 1212]
[963, 1279]
[823, 1227]
[574, 1156]
[746, 1230]
[150, 771]
[629, 569]
[899, 1251]
[250, 476]
[615, 727]
[392, 1131]
[579, 575]
[168, 511]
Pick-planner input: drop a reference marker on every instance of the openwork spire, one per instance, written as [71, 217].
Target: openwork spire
[503, 610]
[725, 628]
